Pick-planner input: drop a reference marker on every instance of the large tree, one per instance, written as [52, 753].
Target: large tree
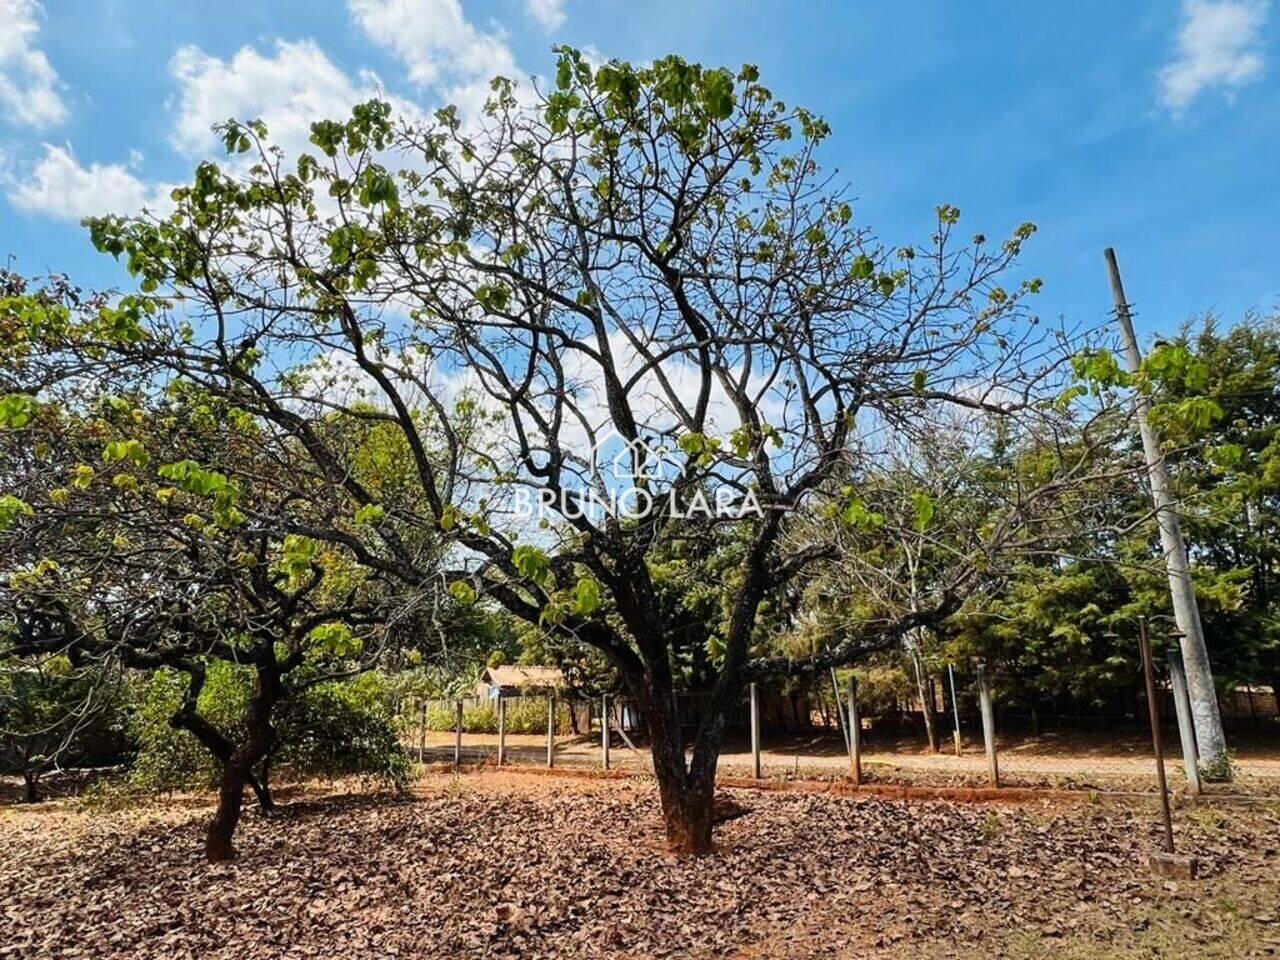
[644, 285]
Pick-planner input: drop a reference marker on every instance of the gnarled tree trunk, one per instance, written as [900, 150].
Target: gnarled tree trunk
[686, 786]
[236, 761]
[217, 842]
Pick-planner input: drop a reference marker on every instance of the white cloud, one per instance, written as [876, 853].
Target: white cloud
[439, 46]
[288, 90]
[549, 13]
[28, 82]
[61, 187]
[1217, 46]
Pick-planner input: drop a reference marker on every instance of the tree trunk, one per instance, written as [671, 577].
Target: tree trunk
[31, 781]
[262, 787]
[686, 798]
[217, 844]
[686, 814]
[926, 701]
[237, 766]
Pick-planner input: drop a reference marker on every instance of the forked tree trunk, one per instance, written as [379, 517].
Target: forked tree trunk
[237, 770]
[687, 809]
[686, 794]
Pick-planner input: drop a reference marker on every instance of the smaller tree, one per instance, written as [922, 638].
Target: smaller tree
[49, 712]
[159, 531]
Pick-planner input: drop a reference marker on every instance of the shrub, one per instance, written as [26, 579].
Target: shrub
[331, 729]
[524, 715]
[1221, 769]
[342, 727]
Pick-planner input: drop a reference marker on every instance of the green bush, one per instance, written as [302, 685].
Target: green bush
[170, 759]
[524, 715]
[340, 728]
[331, 729]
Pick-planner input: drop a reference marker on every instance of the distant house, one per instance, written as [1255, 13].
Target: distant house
[512, 681]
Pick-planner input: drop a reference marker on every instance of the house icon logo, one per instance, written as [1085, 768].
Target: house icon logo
[648, 458]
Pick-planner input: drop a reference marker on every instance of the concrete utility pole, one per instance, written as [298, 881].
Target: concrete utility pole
[988, 725]
[1210, 740]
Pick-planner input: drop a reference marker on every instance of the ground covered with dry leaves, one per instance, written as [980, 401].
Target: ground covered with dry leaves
[518, 865]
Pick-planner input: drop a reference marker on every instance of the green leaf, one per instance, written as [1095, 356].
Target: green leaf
[856, 514]
[370, 513]
[587, 596]
[923, 508]
[863, 267]
[462, 592]
[17, 410]
[131, 450]
[11, 508]
[532, 563]
[335, 639]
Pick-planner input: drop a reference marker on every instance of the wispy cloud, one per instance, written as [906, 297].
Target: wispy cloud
[1218, 46]
[287, 87]
[28, 82]
[439, 47]
[61, 187]
[549, 13]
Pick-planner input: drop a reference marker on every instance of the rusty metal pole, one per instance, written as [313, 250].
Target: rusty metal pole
[755, 732]
[604, 731]
[1153, 708]
[551, 730]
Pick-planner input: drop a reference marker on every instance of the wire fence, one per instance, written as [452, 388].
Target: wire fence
[805, 734]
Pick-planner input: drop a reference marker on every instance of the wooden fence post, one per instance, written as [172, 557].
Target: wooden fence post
[551, 730]
[1186, 726]
[855, 733]
[604, 731]
[457, 736]
[988, 725]
[502, 729]
[422, 733]
[755, 732]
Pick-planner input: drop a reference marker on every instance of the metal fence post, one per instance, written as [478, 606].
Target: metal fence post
[988, 725]
[755, 732]
[1153, 710]
[551, 730]
[955, 706]
[422, 733]
[502, 729]
[604, 731]
[457, 736]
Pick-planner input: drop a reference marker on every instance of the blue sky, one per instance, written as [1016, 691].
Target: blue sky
[1143, 125]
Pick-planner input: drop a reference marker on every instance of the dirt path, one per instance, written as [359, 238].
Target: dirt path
[1080, 762]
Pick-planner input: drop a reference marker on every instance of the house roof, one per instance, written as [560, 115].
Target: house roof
[511, 676]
